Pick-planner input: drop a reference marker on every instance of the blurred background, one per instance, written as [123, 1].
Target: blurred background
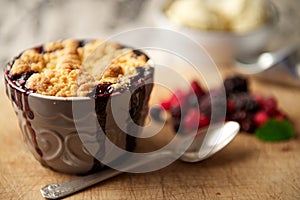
[26, 23]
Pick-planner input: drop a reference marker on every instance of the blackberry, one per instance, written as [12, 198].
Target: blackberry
[218, 104]
[176, 112]
[235, 84]
[176, 125]
[248, 125]
[244, 101]
[238, 116]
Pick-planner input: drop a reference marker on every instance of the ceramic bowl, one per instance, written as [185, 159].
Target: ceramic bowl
[51, 128]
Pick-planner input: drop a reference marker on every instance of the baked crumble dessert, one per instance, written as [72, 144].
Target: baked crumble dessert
[71, 68]
[62, 71]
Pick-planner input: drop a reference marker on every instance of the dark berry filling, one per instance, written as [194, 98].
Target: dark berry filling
[103, 89]
[39, 49]
[20, 80]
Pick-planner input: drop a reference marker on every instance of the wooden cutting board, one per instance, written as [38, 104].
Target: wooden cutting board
[246, 169]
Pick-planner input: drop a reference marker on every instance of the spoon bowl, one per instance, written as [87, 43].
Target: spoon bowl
[264, 61]
[281, 66]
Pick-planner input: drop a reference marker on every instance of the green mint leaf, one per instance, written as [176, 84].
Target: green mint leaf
[275, 130]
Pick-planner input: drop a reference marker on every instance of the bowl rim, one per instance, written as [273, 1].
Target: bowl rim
[9, 82]
[271, 22]
[48, 97]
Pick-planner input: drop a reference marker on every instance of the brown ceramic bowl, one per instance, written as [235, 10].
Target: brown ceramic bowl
[50, 129]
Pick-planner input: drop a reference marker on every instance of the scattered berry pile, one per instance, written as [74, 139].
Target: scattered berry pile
[193, 108]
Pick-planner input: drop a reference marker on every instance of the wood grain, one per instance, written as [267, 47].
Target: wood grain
[246, 169]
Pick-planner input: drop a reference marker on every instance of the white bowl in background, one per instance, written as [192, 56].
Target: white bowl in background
[222, 46]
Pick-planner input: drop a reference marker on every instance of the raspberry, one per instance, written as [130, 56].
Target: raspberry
[230, 106]
[197, 89]
[260, 118]
[280, 116]
[259, 99]
[166, 105]
[270, 106]
[203, 121]
[190, 121]
[178, 98]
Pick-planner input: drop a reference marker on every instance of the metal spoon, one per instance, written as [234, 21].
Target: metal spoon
[198, 150]
[264, 61]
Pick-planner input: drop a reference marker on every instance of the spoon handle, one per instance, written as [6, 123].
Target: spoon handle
[59, 190]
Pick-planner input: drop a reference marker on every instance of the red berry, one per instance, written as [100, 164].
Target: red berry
[270, 106]
[203, 121]
[259, 99]
[197, 89]
[260, 118]
[191, 119]
[166, 105]
[178, 98]
[280, 116]
[230, 106]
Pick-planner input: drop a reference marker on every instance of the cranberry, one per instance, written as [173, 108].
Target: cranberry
[260, 118]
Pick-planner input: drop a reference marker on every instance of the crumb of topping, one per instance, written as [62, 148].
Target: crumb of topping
[124, 64]
[19, 67]
[114, 71]
[30, 60]
[65, 69]
[52, 46]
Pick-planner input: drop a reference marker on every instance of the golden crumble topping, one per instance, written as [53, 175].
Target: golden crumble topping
[67, 68]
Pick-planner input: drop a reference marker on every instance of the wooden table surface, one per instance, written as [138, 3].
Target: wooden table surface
[246, 169]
